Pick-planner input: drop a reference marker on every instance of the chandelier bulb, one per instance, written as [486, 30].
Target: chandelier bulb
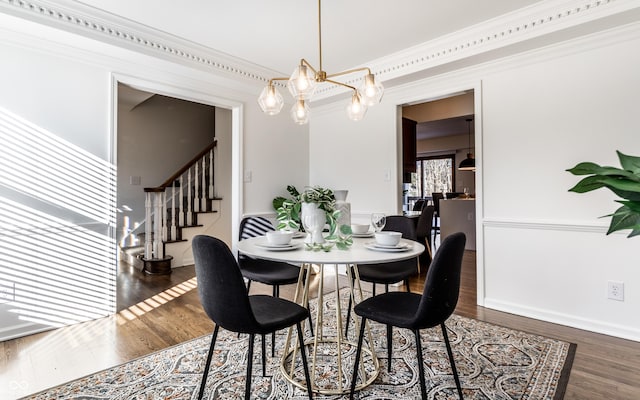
[300, 112]
[371, 91]
[356, 109]
[302, 82]
[270, 100]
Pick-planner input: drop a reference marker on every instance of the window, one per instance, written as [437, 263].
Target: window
[435, 174]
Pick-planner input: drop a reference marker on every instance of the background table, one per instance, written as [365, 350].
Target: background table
[356, 254]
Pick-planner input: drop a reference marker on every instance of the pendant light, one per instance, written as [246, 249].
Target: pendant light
[304, 80]
[469, 163]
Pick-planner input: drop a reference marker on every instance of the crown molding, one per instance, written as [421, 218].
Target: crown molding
[111, 29]
[537, 20]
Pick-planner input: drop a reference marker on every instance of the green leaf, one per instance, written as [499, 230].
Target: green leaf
[588, 184]
[277, 202]
[346, 229]
[588, 168]
[629, 163]
[585, 168]
[624, 218]
[632, 205]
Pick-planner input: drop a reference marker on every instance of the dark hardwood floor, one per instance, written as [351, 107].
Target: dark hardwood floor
[155, 312]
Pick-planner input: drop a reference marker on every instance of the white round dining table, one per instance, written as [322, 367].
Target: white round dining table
[330, 345]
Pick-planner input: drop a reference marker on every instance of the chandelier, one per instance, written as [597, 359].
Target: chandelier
[304, 80]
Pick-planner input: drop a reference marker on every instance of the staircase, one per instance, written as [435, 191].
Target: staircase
[182, 207]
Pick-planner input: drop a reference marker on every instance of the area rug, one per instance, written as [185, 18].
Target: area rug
[493, 362]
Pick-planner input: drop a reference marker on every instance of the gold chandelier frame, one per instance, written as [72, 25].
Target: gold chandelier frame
[305, 78]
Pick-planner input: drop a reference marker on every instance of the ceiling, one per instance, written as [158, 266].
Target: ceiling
[276, 34]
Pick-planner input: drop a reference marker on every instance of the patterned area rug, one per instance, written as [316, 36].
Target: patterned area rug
[493, 363]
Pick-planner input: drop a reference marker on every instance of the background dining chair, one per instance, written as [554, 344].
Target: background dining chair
[389, 272]
[436, 216]
[273, 273]
[417, 206]
[415, 312]
[227, 303]
[423, 232]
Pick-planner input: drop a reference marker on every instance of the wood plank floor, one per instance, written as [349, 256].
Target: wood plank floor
[161, 311]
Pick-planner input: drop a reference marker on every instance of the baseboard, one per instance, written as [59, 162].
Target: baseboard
[615, 330]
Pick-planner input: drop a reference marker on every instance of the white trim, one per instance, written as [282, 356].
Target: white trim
[237, 130]
[548, 225]
[564, 319]
[533, 22]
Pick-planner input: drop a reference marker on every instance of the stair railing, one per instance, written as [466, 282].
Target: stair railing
[159, 228]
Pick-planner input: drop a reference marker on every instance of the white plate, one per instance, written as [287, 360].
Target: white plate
[279, 247]
[377, 247]
[363, 235]
[298, 235]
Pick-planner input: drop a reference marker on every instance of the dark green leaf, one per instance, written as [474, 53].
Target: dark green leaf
[277, 202]
[624, 218]
[629, 163]
[588, 184]
[585, 168]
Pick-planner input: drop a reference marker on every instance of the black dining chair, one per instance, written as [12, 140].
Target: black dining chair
[415, 312]
[417, 206]
[423, 232]
[273, 273]
[225, 300]
[436, 216]
[389, 272]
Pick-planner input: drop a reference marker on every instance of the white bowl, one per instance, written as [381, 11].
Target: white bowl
[279, 237]
[388, 238]
[359, 229]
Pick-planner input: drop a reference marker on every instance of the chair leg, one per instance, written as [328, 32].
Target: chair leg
[247, 388]
[303, 354]
[276, 293]
[264, 359]
[423, 385]
[389, 346]
[453, 363]
[208, 363]
[356, 363]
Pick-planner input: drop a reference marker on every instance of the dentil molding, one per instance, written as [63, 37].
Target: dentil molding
[521, 25]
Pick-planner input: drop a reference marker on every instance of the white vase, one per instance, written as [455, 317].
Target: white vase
[313, 220]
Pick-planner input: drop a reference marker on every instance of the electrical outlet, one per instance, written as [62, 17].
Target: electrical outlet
[616, 290]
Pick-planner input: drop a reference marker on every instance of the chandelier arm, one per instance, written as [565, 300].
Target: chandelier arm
[342, 84]
[277, 79]
[305, 62]
[350, 71]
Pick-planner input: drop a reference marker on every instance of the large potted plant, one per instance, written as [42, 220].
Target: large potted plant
[624, 182]
[290, 213]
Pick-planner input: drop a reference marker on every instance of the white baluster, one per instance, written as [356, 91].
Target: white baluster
[165, 231]
[196, 195]
[158, 250]
[203, 206]
[148, 240]
[181, 202]
[189, 197]
[211, 193]
[174, 233]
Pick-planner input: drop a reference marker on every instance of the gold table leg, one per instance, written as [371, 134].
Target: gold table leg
[324, 379]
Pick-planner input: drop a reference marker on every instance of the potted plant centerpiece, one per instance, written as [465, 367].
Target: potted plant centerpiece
[313, 209]
[624, 182]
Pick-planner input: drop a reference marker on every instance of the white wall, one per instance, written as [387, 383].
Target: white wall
[65, 83]
[542, 251]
